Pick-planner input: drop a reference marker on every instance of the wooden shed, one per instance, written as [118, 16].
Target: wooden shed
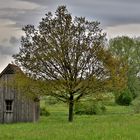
[13, 106]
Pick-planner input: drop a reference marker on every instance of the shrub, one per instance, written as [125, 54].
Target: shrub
[125, 98]
[44, 112]
[51, 100]
[89, 108]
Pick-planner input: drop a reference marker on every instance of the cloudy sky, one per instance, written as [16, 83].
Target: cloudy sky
[117, 17]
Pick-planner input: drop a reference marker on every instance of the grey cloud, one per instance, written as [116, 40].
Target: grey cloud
[9, 46]
[20, 17]
[108, 12]
[8, 50]
[42, 2]
[13, 40]
[5, 12]
[4, 40]
[79, 2]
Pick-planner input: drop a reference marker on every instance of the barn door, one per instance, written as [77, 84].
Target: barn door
[8, 113]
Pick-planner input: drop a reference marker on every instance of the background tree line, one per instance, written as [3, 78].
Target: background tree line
[128, 50]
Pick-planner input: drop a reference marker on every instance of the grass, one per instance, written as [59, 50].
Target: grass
[119, 124]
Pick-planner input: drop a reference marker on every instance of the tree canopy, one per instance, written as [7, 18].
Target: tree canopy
[69, 55]
[128, 50]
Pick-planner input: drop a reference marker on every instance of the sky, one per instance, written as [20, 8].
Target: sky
[117, 18]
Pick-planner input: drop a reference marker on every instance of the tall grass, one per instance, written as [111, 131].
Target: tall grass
[121, 126]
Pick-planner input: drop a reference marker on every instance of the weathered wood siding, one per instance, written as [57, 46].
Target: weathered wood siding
[1, 104]
[24, 110]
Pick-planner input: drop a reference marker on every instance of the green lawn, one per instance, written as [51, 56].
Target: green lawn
[112, 126]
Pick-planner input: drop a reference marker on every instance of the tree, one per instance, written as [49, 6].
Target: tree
[128, 50]
[29, 87]
[69, 56]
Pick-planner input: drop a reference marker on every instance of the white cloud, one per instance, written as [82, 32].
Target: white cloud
[131, 30]
[5, 22]
[6, 31]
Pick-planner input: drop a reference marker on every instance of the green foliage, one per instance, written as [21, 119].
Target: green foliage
[89, 108]
[28, 86]
[49, 100]
[134, 85]
[44, 111]
[125, 97]
[128, 50]
[110, 101]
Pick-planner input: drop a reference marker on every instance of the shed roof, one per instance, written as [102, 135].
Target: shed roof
[10, 69]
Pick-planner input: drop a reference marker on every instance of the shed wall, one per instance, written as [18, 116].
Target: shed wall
[24, 110]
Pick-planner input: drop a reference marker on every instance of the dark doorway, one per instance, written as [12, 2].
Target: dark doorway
[8, 113]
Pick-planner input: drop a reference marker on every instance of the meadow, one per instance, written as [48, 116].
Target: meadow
[118, 123]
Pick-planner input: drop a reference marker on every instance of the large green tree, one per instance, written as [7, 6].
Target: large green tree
[68, 54]
[128, 50]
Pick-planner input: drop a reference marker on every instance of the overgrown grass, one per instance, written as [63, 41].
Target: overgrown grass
[119, 124]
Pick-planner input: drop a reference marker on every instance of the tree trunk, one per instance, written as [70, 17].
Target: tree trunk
[71, 105]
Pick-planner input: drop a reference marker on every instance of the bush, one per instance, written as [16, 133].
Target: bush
[89, 108]
[44, 112]
[125, 98]
[51, 100]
